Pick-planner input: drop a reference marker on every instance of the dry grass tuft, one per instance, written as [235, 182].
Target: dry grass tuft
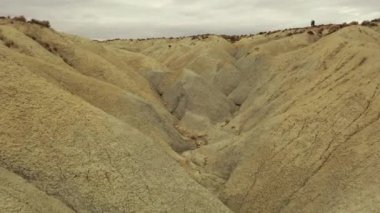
[354, 23]
[369, 24]
[20, 18]
[41, 23]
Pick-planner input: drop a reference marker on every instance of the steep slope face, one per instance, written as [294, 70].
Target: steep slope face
[114, 90]
[191, 93]
[57, 133]
[17, 195]
[280, 122]
[306, 135]
[202, 75]
[312, 131]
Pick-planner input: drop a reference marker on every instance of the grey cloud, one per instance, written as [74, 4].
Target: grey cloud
[149, 18]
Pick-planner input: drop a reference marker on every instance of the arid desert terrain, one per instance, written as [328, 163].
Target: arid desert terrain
[283, 121]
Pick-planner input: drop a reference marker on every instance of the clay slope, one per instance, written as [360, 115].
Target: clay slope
[17, 195]
[97, 142]
[312, 130]
[279, 122]
[305, 136]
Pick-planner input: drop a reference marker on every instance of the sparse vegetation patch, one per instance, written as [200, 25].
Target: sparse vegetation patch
[41, 23]
[20, 18]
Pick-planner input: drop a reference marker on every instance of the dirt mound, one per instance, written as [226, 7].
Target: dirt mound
[286, 121]
[91, 160]
[17, 195]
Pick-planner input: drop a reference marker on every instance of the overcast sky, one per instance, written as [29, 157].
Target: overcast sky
[103, 19]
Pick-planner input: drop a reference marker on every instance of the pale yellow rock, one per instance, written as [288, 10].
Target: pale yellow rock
[279, 122]
[17, 195]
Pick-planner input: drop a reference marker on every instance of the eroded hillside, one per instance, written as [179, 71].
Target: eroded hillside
[278, 122]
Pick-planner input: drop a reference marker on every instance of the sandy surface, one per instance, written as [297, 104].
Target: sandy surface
[281, 122]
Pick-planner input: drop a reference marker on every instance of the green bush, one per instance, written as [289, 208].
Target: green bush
[369, 24]
[41, 23]
[20, 18]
